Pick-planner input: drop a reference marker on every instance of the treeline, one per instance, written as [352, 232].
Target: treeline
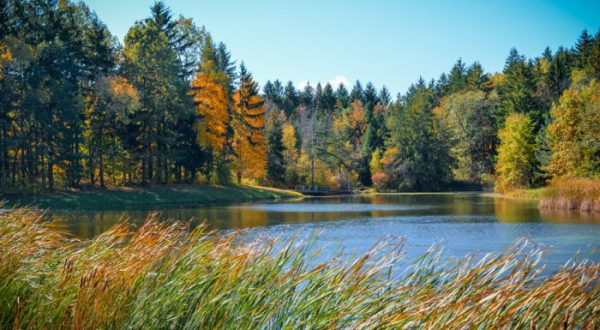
[170, 105]
[537, 119]
[78, 108]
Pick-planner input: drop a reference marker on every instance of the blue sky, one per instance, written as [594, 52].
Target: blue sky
[390, 43]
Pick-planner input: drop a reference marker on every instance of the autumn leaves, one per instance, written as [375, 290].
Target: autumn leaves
[231, 125]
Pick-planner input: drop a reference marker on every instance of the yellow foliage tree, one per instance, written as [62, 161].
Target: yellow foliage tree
[290, 152]
[211, 100]
[376, 160]
[516, 160]
[574, 134]
[248, 121]
[5, 56]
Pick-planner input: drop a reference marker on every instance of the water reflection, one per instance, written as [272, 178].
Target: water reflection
[442, 208]
[467, 223]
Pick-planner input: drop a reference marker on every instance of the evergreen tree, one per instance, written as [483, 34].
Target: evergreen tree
[276, 166]
[518, 88]
[290, 98]
[457, 80]
[370, 97]
[475, 77]
[342, 97]
[583, 49]
[418, 149]
[307, 96]
[385, 97]
[357, 92]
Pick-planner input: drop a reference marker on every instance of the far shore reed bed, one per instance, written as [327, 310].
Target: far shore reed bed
[572, 194]
[168, 276]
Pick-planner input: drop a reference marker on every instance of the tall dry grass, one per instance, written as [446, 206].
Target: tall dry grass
[168, 276]
[572, 194]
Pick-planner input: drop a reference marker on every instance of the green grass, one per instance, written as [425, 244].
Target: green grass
[155, 197]
[166, 276]
[531, 194]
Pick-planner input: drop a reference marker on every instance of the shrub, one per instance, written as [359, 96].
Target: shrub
[380, 181]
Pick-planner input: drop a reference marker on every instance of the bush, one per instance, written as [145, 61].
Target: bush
[380, 181]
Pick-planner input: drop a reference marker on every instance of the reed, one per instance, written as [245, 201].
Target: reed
[572, 194]
[170, 276]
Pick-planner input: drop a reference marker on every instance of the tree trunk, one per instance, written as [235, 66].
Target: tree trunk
[101, 174]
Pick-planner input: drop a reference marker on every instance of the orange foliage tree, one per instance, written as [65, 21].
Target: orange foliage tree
[248, 121]
[211, 101]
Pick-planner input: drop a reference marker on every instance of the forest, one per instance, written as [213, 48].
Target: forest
[78, 108]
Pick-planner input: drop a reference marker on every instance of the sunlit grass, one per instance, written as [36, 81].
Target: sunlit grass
[144, 197]
[168, 276]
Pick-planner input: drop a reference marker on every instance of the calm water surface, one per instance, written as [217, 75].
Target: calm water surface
[464, 223]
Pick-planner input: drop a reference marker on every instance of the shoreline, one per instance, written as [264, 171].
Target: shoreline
[533, 194]
[143, 197]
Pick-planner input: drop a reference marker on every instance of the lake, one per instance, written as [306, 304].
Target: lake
[464, 222]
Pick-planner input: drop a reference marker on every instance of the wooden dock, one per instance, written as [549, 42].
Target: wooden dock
[320, 191]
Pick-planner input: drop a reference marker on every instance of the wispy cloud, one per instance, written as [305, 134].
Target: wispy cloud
[335, 82]
[338, 80]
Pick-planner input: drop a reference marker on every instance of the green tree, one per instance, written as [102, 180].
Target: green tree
[517, 89]
[357, 92]
[457, 79]
[418, 148]
[153, 53]
[342, 97]
[471, 117]
[516, 160]
[114, 101]
[276, 166]
[574, 134]
[290, 98]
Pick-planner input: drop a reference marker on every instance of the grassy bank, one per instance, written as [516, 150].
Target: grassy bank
[530, 194]
[163, 276]
[160, 196]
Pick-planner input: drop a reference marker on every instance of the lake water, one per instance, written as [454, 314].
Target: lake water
[464, 223]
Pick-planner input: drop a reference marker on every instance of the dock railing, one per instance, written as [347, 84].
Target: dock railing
[306, 189]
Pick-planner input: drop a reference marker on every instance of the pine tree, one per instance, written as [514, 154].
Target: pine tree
[417, 156]
[342, 97]
[306, 97]
[276, 166]
[357, 92]
[457, 80]
[328, 99]
[290, 98]
[518, 88]
[370, 96]
[385, 97]
[475, 77]
[583, 49]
